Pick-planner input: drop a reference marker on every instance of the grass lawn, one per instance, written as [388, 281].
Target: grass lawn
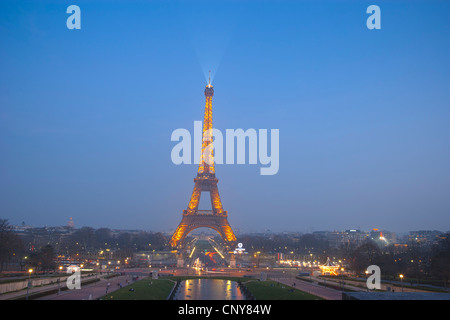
[142, 290]
[271, 290]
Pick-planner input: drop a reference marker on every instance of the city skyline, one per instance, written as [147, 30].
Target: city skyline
[86, 115]
[71, 225]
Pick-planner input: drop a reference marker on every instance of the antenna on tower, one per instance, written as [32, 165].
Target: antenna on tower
[209, 81]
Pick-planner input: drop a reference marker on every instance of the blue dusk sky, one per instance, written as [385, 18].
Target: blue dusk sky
[86, 116]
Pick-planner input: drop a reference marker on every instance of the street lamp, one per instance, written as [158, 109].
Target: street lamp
[30, 271]
[59, 280]
[401, 279]
[97, 270]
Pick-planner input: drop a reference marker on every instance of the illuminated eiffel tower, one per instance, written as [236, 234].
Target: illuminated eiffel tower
[206, 180]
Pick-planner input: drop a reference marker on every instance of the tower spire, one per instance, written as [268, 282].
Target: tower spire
[207, 157]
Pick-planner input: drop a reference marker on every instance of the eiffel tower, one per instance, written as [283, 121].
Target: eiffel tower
[206, 180]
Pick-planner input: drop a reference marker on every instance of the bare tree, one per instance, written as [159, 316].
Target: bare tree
[10, 244]
[441, 260]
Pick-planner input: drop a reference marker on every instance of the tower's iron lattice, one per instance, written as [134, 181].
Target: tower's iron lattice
[205, 181]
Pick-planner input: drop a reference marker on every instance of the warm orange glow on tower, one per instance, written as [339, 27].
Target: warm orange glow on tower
[205, 181]
[207, 156]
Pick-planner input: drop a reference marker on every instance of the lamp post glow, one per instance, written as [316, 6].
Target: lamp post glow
[59, 280]
[30, 271]
[401, 279]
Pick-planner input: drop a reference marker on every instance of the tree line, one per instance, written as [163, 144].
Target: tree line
[39, 250]
[416, 261]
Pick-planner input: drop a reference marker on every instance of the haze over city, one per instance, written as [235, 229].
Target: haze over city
[86, 117]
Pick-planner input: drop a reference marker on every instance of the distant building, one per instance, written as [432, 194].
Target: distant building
[425, 237]
[354, 237]
[383, 237]
[22, 229]
[336, 239]
[70, 224]
[35, 238]
[400, 248]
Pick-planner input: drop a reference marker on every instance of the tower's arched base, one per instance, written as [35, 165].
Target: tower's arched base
[190, 222]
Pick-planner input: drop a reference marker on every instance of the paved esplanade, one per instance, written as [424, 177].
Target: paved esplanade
[91, 291]
[320, 291]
